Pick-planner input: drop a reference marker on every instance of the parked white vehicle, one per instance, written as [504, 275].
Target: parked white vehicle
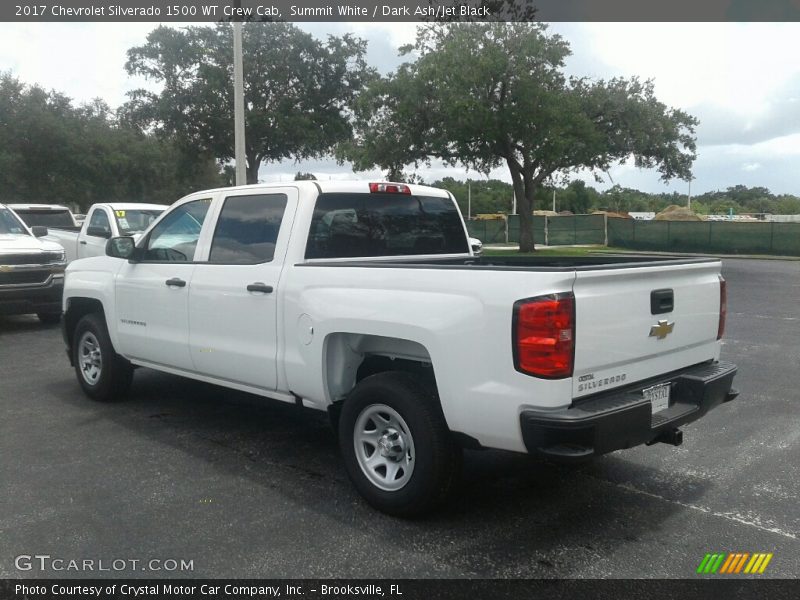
[104, 221]
[46, 215]
[31, 270]
[365, 300]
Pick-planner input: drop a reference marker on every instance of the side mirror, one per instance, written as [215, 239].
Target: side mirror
[121, 247]
[98, 232]
[39, 230]
[476, 245]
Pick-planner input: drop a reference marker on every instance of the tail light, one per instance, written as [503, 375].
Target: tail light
[723, 306]
[544, 335]
[389, 188]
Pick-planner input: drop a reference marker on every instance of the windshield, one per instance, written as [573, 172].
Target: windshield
[46, 217]
[135, 220]
[9, 223]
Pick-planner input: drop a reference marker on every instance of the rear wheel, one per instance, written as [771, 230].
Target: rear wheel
[396, 445]
[102, 373]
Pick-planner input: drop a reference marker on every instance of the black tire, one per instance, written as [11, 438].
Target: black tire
[436, 457]
[114, 374]
[49, 318]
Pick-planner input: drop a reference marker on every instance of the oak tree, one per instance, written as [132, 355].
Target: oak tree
[482, 95]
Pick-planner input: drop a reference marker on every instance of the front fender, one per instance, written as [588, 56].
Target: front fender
[94, 279]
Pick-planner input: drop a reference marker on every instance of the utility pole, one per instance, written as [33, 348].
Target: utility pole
[514, 205]
[238, 102]
[469, 200]
[554, 199]
[689, 199]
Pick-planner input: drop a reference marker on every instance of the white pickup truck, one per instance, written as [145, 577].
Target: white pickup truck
[104, 221]
[365, 300]
[31, 270]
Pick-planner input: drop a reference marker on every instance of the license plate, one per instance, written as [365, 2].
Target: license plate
[658, 395]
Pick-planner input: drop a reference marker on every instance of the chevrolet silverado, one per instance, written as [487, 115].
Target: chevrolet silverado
[365, 300]
[31, 270]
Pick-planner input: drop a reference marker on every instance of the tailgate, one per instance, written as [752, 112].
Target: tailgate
[626, 330]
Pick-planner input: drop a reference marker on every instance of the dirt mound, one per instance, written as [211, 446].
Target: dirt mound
[677, 213]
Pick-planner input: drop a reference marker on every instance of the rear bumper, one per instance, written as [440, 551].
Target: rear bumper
[39, 298]
[622, 419]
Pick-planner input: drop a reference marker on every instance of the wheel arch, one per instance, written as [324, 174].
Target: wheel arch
[76, 309]
[350, 357]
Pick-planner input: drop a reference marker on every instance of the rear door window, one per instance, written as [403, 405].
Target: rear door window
[369, 225]
[247, 229]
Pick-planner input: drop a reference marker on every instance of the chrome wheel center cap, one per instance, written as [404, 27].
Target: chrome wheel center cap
[391, 445]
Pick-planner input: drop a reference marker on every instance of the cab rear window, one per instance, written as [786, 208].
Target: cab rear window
[46, 217]
[369, 225]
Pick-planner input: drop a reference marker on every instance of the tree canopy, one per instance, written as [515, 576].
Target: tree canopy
[297, 89]
[488, 94]
[54, 152]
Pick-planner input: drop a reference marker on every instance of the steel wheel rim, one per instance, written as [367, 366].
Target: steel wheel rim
[90, 359]
[384, 447]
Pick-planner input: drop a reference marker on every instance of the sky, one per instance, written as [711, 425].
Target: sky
[742, 80]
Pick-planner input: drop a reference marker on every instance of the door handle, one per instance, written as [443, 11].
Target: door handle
[175, 281]
[83, 242]
[259, 287]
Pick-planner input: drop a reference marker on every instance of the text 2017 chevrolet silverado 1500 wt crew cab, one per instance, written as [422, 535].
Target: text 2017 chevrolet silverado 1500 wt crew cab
[31, 270]
[364, 299]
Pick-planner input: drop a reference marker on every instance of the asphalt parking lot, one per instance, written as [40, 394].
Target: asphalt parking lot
[243, 488]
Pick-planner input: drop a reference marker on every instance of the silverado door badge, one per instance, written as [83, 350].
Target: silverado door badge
[662, 330]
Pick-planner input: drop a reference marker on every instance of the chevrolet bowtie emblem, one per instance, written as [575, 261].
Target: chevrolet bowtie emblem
[5, 268]
[662, 330]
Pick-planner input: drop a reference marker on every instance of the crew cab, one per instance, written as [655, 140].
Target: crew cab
[365, 300]
[103, 221]
[31, 270]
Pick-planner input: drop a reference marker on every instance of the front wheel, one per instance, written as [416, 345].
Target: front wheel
[396, 446]
[103, 374]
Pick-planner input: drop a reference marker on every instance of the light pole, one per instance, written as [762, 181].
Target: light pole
[689, 198]
[469, 200]
[238, 102]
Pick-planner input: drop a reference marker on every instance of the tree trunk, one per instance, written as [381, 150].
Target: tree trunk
[523, 191]
[253, 164]
[395, 173]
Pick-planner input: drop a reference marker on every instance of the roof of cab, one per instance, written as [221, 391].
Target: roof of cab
[38, 207]
[330, 186]
[136, 206]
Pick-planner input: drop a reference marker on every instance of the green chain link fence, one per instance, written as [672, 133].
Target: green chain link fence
[706, 236]
[562, 231]
[488, 231]
[724, 237]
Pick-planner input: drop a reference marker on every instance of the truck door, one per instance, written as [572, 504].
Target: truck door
[233, 307]
[92, 238]
[152, 293]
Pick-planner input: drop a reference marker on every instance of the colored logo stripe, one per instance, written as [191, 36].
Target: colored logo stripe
[734, 563]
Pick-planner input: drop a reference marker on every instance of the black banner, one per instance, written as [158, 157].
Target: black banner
[401, 589]
[399, 10]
